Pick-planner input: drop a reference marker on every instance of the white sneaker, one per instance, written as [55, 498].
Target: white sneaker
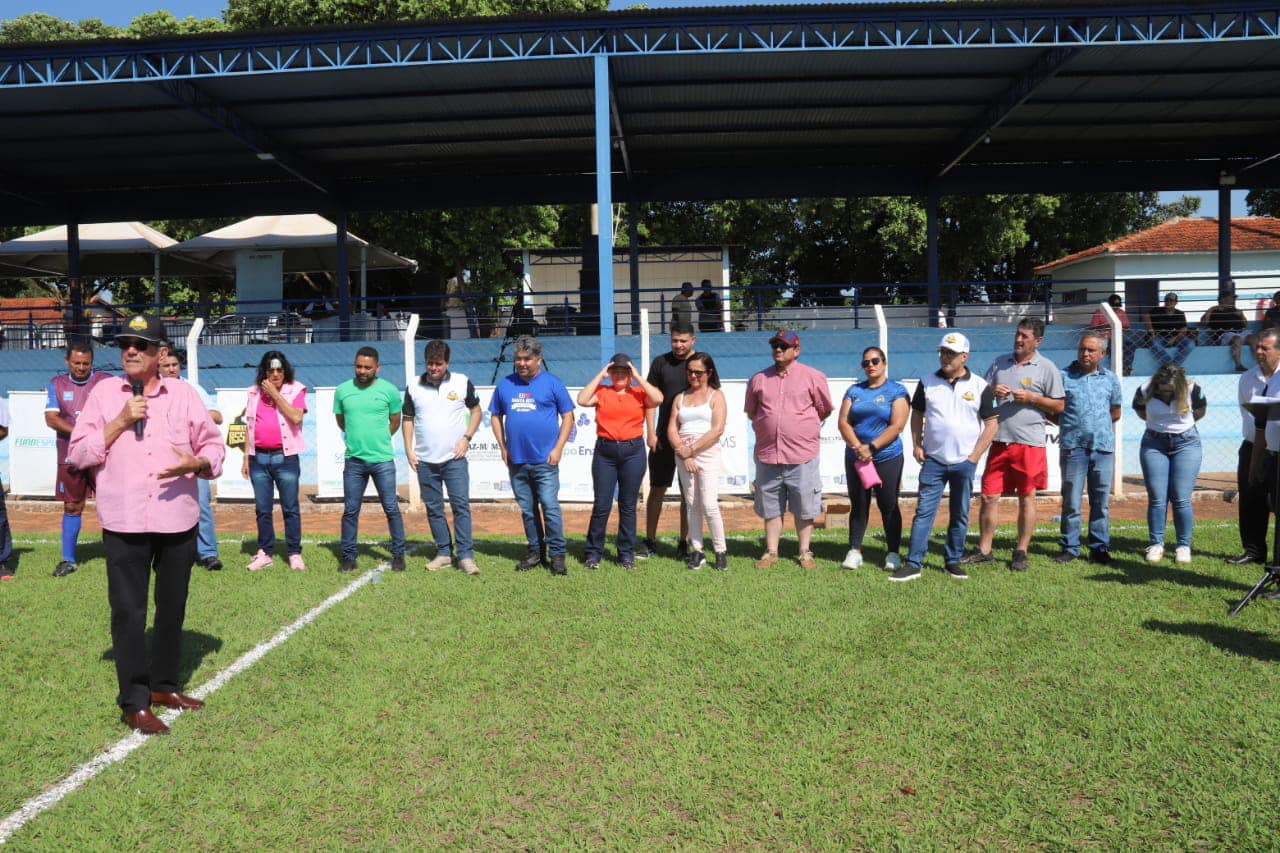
[892, 563]
[1182, 554]
[443, 561]
[468, 566]
[853, 559]
[1155, 553]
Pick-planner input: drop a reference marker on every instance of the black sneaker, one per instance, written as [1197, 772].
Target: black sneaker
[1245, 559]
[956, 571]
[557, 565]
[64, 568]
[722, 561]
[696, 559]
[1065, 557]
[591, 563]
[976, 557]
[347, 565]
[1100, 555]
[908, 572]
[6, 573]
[682, 550]
[397, 563]
[628, 565]
[1019, 563]
[213, 564]
[531, 561]
[645, 549]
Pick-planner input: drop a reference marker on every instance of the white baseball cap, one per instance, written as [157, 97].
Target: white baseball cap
[955, 342]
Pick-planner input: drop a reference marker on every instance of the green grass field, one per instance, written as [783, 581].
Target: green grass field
[1071, 706]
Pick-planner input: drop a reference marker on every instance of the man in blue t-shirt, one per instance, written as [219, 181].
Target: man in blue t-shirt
[532, 415]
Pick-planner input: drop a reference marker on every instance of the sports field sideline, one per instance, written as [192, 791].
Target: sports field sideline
[1074, 705]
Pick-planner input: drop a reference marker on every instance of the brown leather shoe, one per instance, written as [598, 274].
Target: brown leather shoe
[145, 722]
[176, 700]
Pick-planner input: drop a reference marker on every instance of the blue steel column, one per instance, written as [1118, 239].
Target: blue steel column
[633, 260]
[604, 202]
[1224, 240]
[931, 255]
[340, 276]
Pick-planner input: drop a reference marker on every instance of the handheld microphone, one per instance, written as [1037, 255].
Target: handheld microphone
[137, 392]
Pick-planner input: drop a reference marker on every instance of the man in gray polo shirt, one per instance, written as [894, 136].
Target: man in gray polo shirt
[1027, 387]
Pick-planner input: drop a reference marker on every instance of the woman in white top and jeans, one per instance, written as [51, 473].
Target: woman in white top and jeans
[1170, 454]
[697, 422]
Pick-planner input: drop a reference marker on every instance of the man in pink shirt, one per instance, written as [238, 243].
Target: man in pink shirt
[787, 404]
[147, 438]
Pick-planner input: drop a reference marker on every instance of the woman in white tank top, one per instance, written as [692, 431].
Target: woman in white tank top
[697, 422]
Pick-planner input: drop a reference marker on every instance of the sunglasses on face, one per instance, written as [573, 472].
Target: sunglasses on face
[696, 372]
[781, 346]
[136, 343]
[871, 362]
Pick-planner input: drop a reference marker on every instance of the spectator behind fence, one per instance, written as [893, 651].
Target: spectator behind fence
[710, 309]
[1100, 322]
[1086, 447]
[873, 414]
[1271, 317]
[273, 410]
[206, 533]
[532, 416]
[697, 422]
[1255, 468]
[682, 305]
[1225, 324]
[787, 403]
[1170, 453]
[440, 417]
[1170, 339]
[148, 437]
[67, 393]
[367, 409]
[953, 420]
[668, 374]
[617, 465]
[1027, 387]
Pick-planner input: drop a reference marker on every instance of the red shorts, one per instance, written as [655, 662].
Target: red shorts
[1014, 469]
[74, 485]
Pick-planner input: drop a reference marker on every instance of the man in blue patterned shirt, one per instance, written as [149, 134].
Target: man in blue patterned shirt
[1086, 446]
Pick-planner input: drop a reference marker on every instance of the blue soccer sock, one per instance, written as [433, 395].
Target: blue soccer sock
[70, 533]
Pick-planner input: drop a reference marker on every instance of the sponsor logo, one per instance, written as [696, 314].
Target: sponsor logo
[452, 396]
[584, 420]
[523, 402]
[28, 441]
[967, 395]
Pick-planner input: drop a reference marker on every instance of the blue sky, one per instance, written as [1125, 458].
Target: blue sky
[121, 12]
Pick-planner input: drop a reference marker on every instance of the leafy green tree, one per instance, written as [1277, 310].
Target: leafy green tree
[263, 14]
[1263, 202]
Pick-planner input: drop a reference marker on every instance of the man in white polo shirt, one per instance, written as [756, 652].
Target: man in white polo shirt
[953, 420]
[440, 417]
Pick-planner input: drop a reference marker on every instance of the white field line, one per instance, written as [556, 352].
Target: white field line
[126, 745]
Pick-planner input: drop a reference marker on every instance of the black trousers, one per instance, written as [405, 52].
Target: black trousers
[131, 558]
[1253, 502]
[886, 495]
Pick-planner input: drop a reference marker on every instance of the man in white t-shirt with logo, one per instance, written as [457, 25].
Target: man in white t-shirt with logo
[953, 421]
[440, 417]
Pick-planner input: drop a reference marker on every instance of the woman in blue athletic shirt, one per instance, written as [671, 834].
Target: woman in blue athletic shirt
[873, 414]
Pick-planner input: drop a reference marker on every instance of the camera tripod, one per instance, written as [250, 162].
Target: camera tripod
[1271, 576]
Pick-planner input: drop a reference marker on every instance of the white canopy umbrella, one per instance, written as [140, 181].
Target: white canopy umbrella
[106, 249]
[309, 243]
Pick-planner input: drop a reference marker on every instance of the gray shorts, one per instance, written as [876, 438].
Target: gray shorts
[780, 488]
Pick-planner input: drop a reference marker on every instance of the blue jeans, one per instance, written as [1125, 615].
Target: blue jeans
[935, 475]
[269, 471]
[537, 487]
[433, 479]
[616, 465]
[1165, 354]
[355, 478]
[1084, 468]
[1170, 464]
[206, 536]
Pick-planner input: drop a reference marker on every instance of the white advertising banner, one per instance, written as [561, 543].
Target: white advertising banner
[231, 485]
[33, 455]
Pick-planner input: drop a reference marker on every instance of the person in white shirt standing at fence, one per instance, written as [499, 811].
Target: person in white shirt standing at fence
[440, 417]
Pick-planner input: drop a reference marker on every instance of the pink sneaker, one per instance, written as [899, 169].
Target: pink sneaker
[260, 561]
[295, 562]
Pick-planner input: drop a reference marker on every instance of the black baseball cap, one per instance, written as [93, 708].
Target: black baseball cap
[145, 327]
[621, 360]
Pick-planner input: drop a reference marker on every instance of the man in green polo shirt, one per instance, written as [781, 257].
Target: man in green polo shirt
[368, 413]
